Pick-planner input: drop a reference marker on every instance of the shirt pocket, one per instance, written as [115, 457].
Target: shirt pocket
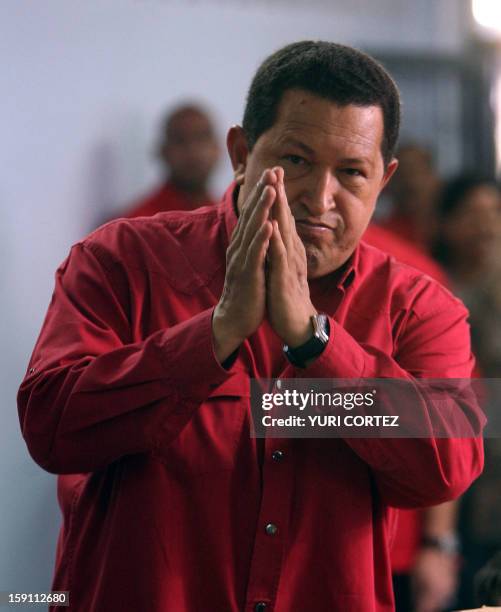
[208, 443]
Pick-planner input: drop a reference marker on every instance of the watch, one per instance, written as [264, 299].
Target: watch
[313, 347]
[447, 543]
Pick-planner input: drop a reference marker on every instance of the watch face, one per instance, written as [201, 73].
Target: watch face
[320, 326]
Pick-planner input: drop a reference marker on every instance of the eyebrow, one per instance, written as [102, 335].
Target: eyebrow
[356, 160]
[299, 144]
[310, 151]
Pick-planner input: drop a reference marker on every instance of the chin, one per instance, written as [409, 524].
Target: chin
[319, 265]
[316, 264]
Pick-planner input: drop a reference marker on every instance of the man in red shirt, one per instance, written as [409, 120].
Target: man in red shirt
[188, 151]
[413, 193]
[140, 379]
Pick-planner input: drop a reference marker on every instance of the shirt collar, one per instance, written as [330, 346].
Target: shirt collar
[343, 277]
[349, 269]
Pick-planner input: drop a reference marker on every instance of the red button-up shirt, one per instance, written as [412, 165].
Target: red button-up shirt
[172, 509]
[166, 198]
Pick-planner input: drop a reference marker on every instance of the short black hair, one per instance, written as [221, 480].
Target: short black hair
[452, 196]
[338, 73]
[457, 189]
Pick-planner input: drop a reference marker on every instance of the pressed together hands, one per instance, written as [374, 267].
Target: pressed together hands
[266, 272]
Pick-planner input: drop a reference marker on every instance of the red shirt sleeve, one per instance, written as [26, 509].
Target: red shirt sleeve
[91, 395]
[434, 342]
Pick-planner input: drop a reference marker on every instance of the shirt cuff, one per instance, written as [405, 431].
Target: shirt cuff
[191, 364]
[343, 357]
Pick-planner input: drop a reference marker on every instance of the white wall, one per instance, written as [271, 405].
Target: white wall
[82, 86]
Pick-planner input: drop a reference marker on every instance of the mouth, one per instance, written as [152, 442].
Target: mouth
[306, 226]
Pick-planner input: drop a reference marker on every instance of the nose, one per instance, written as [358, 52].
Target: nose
[321, 193]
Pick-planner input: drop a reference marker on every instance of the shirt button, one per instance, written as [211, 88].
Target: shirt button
[277, 455]
[271, 529]
[260, 606]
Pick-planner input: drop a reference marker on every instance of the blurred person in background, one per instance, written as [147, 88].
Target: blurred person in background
[468, 244]
[405, 251]
[487, 586]
[488, 582]
[424, 553]
[412, 194]
[189, 151]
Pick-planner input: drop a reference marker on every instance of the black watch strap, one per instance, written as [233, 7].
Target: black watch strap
[447, 543]
[313, 347]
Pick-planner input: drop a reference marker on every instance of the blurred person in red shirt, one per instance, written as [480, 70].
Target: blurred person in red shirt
[425, 551]
[468, 245]
[412, 194]
[188, 151]
[424, 554]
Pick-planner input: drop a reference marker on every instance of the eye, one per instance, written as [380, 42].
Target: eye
[296, 160]
[353, 172]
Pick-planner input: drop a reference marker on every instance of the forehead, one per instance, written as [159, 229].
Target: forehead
[187, 121]
[322, 123]
[414, 155]
[482, 197]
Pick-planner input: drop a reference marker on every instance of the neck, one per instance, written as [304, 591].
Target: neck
[196, 194]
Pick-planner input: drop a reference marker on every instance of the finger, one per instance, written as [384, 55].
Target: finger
[282, 212]
[301, 265]
[259, 215]
[297, 261]
[267, 178]
[277, 252]
[256, 254]
[249, 202]
[300, 251]
[295, 248]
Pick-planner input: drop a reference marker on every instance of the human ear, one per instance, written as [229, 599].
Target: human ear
[389, 172]
[238, 150]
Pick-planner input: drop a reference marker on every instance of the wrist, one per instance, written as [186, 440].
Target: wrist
[303, 355]
[302, 333]
[225, 340]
